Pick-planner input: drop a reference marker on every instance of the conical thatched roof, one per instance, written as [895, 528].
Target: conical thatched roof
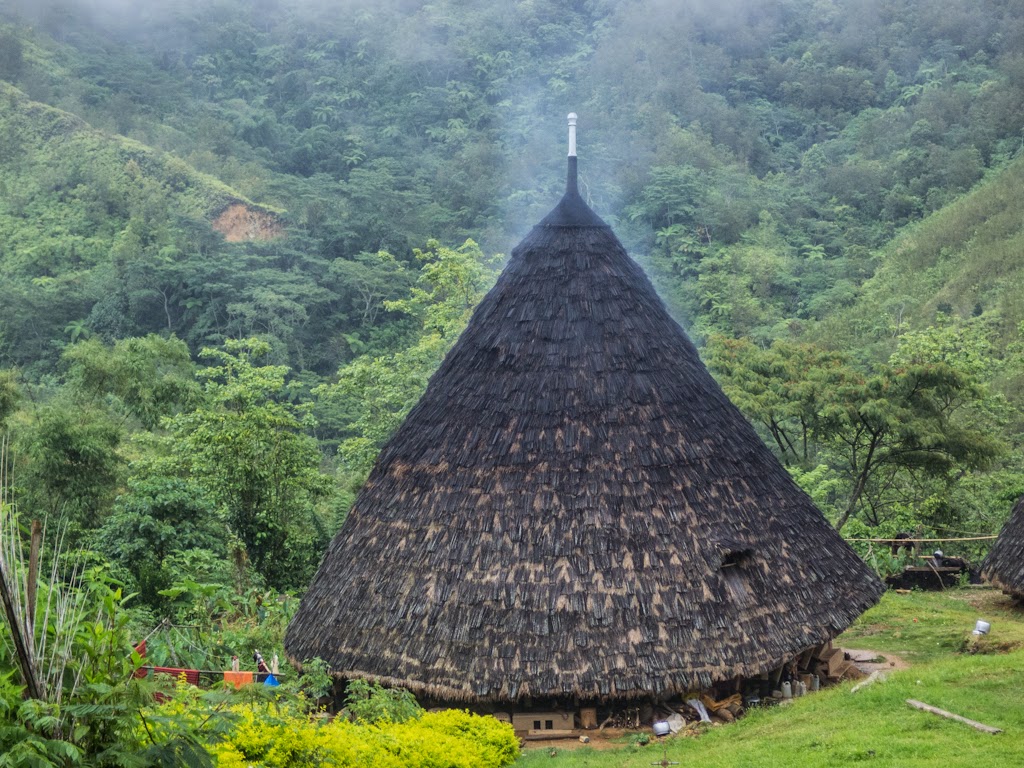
[1004, 566]
[574, 508]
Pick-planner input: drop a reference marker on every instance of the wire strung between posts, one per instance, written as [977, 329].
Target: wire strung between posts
[946, 528]
[917, 541]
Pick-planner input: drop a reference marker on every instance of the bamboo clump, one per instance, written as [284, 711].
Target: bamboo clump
[41, 626]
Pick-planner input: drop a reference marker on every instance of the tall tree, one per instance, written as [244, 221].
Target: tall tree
[252, 452]
[68, 461]
[146, 378]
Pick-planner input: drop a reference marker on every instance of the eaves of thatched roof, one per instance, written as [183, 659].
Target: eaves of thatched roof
[1004, 566]
[574, 508]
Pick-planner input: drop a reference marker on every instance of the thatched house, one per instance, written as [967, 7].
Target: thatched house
[1004, 566]
[574, 509]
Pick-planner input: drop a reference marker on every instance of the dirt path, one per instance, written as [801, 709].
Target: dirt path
[609, 738]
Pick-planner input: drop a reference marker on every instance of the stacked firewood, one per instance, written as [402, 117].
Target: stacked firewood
[628, 718]
[830, 664]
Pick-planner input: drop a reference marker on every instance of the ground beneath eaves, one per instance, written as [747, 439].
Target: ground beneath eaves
[866, 660]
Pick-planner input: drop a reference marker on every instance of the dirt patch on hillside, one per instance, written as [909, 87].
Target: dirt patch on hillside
[868, 661]
[987, 599]
[240, 223]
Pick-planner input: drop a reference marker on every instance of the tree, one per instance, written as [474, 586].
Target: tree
[252, 453]
[901, 423]
[157, 517]
[369, 280]
[788, 389]
[451, 283]
[883, 434]
[10, 394]
[147, 378]
[69, 461]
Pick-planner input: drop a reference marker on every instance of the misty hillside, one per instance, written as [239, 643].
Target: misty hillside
[824, 193]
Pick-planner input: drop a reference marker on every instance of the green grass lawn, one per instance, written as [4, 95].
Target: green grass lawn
[982, 680]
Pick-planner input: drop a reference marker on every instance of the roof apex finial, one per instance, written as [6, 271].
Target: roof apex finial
[572, 134]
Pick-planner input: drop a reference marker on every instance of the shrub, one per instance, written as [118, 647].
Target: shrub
[279, 738]
[480, 740]
[373, 703]
[316, 678]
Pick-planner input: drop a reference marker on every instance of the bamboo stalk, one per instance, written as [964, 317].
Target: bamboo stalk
[17, 636]
[33, 576]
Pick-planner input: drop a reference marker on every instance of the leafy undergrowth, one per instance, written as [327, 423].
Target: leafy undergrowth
[875, 726]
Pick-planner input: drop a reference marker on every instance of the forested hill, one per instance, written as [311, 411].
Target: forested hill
[806, 181]
[814, 130]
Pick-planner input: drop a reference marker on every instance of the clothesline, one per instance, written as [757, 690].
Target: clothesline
[208, 672]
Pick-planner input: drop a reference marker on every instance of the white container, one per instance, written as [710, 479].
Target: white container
[982, 627]
[787, 691]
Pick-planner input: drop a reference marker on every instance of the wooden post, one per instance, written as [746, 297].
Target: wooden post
[943, 713]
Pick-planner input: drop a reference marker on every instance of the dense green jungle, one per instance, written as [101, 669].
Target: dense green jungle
[236, 239]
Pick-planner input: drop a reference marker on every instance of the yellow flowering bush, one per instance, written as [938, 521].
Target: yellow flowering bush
[453, 739]
[264, 735]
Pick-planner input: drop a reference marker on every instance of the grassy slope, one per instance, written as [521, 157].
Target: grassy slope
[964, 258]
[875, 726]
[51, 153]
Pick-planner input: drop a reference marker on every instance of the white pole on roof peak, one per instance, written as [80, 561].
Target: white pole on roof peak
[572, 134]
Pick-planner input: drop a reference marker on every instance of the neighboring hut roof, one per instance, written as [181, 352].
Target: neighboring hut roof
[574, 508]
[1004, 566]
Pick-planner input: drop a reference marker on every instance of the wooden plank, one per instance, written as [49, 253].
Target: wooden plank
[825, 651]
[943, 713]
[549, 735]
[835, 663]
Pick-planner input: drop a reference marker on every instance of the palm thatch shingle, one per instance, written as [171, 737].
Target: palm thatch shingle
[1004, 565]
[574, 508]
